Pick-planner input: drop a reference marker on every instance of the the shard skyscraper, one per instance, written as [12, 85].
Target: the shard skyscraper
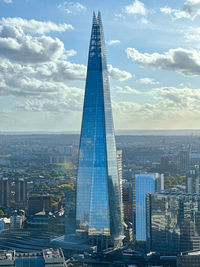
[98, 195]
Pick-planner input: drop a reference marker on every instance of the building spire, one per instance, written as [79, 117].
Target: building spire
[94, 20]
[99, 18]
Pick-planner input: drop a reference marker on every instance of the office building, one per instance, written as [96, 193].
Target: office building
[143, 184]
[192, 180]
[127, 197]
[159, 182]
[16, 221]
[98, 197]
[98, 220]
[20, 193]
[46, 258]
[184, 161]
[5, 192]
[70, 211]
[189, 259]
[173, 222]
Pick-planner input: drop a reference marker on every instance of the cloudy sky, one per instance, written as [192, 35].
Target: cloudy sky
[153, 51]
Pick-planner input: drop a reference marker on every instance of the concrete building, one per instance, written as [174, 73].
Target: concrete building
[20, 193]
[16, 221]
[47, 258]
[189, 259]
[5, 192]
[192, 180]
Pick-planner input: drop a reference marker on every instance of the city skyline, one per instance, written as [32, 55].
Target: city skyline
[154, 81]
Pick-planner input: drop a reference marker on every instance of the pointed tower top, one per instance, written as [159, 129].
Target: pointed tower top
[94, 20]
[99, 18]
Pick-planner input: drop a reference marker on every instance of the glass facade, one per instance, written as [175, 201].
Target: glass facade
[98, 197]
[144, 183]
[173, 222]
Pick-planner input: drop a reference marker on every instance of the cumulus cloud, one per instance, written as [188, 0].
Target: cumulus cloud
[117, 74]
[69, 99]
[193, 34]
[113, 42]
[16, 45]
[34, 26]
[190, 10]
[127, 90]
[172, 108]
[184, 61]
[135, 8]
[147, 81]
[71, 7]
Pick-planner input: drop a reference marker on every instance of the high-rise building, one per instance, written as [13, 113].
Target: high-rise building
[173, 222]
[159, 179]
[192, 180]
[5, 192]
[20, 192]
[127, 197]
[184, 161]
[98, 196]
[143, 184]
[70, 211]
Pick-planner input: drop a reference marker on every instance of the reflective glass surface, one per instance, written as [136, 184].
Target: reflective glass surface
[98, 202]
[144, 183]
[173, 222]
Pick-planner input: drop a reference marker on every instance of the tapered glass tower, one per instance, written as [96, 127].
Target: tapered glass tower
[98, 197]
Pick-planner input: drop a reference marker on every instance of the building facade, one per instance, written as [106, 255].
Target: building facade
[143, 184]
[173, 222]
[98, 196]
[21, 192]
[192, 180]
[48, 257]
[5, 192]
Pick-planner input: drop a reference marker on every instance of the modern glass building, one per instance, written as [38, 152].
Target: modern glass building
[98, 196]
[143, 184]
[173, 222]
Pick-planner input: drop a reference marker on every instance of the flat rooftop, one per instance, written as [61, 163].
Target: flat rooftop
[52, 253]
[6, 255]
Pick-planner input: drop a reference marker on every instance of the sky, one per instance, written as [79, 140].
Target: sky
[153, 54]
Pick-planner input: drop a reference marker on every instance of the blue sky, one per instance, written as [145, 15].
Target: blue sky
[152, 51]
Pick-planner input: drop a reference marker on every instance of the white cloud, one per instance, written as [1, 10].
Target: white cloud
[147, 81]
[113, 42]
[28, 49]
[184, 61]
[34, 26]
[8, 1]
[135, 8]
[190, 10]
[174, 108]
[144, 21]
[193, 34]
[117, 74]
[71, 7]
[68, 99]
[166, 10]
[16, 45]
[127, 90]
